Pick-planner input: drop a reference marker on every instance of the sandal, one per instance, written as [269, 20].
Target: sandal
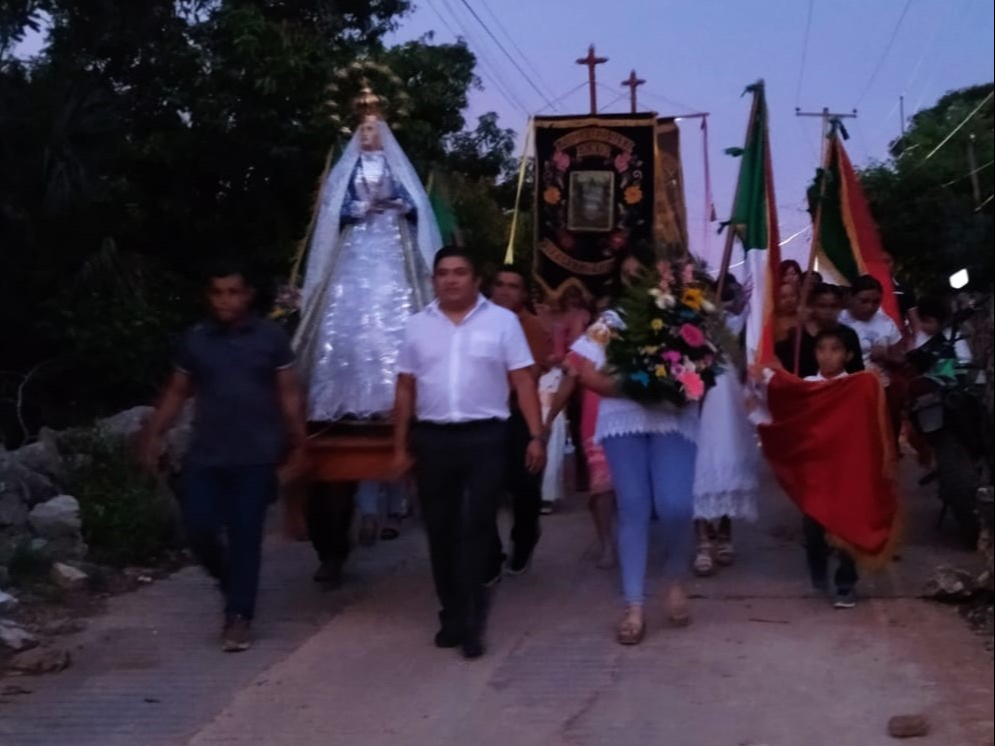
[630, 631]
[678, 614]
[704, 565]
[607, 560]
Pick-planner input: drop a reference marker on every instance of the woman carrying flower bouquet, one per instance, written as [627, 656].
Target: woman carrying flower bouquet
[647, 435]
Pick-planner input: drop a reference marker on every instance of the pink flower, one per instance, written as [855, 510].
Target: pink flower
[694, 387]
[622, 162]
[687, 274]
[561, 160]
[692, 335]
[671, 356]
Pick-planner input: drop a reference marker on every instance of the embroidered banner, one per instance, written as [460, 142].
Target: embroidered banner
[595, 195]
[671, 223]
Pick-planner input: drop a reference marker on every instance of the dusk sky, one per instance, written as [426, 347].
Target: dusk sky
[698, 56]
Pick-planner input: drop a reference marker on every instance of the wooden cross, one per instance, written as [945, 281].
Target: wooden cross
[633, 83]
[591, 62]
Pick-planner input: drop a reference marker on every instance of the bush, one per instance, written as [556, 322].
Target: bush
[128, 519]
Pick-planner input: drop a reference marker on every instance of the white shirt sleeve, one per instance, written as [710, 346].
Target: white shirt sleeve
[892, 334]
[517, 354]
[406, 356]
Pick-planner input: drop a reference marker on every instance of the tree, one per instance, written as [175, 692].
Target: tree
[150, 137]
[923, 199]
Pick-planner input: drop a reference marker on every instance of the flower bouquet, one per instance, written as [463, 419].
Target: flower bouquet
[665, 350]
[286, 309]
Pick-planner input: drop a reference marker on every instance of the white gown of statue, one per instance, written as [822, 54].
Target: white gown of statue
[726, 477]
[368, 271]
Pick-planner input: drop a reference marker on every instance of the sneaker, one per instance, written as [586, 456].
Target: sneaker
[236, 636]
[447, 637]
[845, 599]
[547, 507]
[520, 561]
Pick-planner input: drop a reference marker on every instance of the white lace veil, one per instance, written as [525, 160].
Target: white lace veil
[324, 239]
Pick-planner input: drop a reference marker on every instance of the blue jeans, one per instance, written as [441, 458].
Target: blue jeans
[231, 500]
[652, 471]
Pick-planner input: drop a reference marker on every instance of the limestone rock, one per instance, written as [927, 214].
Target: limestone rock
[68, 577]
[15, 637]
[950, 584]
[126, 424]
[19, 480]
[56, 518]
[42, 457]
[41, 660]
[7, 602]
[13, 510]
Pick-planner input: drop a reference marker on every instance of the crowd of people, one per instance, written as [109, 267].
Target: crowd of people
[492, 385]
[487, 387]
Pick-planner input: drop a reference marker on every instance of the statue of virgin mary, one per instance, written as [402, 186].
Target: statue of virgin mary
[370, 251]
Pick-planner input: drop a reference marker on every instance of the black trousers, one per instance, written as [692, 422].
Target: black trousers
[330, 508]
[459, 471]
[818, 551]
[525, 489]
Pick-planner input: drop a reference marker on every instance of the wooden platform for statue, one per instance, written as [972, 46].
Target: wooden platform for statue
[351, 451]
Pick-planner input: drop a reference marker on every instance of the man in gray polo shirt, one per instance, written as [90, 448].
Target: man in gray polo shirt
[249, 417]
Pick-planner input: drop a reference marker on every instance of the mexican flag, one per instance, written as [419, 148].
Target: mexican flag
[754, 218]
[438, 196]
[848, 243]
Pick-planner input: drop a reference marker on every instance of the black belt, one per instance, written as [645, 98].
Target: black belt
[458, 426]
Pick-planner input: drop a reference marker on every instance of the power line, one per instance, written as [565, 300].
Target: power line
[500, 46]
[514, 44]
[670, 102]
[969, 174]
[956, 129]
[565, 95]
[887, 51]
[801, 71]
[493, 77]
[990, 197]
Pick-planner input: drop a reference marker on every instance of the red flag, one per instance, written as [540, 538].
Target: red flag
[830, 447]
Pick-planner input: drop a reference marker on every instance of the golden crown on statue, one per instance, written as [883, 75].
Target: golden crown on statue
[367, 103]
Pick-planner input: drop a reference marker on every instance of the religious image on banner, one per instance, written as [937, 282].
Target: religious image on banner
[671, 221]
[595, 195]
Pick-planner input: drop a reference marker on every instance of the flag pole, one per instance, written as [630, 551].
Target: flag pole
[829, 142]
[509, 255]
[731, 227]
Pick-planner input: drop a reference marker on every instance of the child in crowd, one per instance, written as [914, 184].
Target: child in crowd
[832, 357]
[830, 452]
[880, 340]
[824, 304]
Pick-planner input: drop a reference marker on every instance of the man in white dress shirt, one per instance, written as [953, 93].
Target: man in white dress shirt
[459, 358]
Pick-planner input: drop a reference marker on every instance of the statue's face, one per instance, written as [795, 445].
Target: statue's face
[369, 134]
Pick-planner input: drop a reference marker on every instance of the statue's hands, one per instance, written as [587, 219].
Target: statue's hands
[358, 209]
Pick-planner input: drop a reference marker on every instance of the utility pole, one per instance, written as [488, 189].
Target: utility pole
[827, 118]
[591, 62]
[972, 164]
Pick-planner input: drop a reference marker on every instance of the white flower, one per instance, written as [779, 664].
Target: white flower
[707, 306]
[656, 292]
[665, 300]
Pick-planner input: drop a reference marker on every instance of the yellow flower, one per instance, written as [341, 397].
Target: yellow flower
[633, 194]
[551, 195]
[692, 298]
[650, 350]
[660, 371]
[656, 325]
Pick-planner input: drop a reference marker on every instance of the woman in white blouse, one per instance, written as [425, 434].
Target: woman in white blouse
[651, 453]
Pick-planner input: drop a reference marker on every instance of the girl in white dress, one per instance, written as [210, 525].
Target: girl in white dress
[725, 479]
[552, 480]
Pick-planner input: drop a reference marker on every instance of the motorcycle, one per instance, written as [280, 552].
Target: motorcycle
[947, 408]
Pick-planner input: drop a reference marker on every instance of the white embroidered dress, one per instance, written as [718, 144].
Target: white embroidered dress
[726, 470]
